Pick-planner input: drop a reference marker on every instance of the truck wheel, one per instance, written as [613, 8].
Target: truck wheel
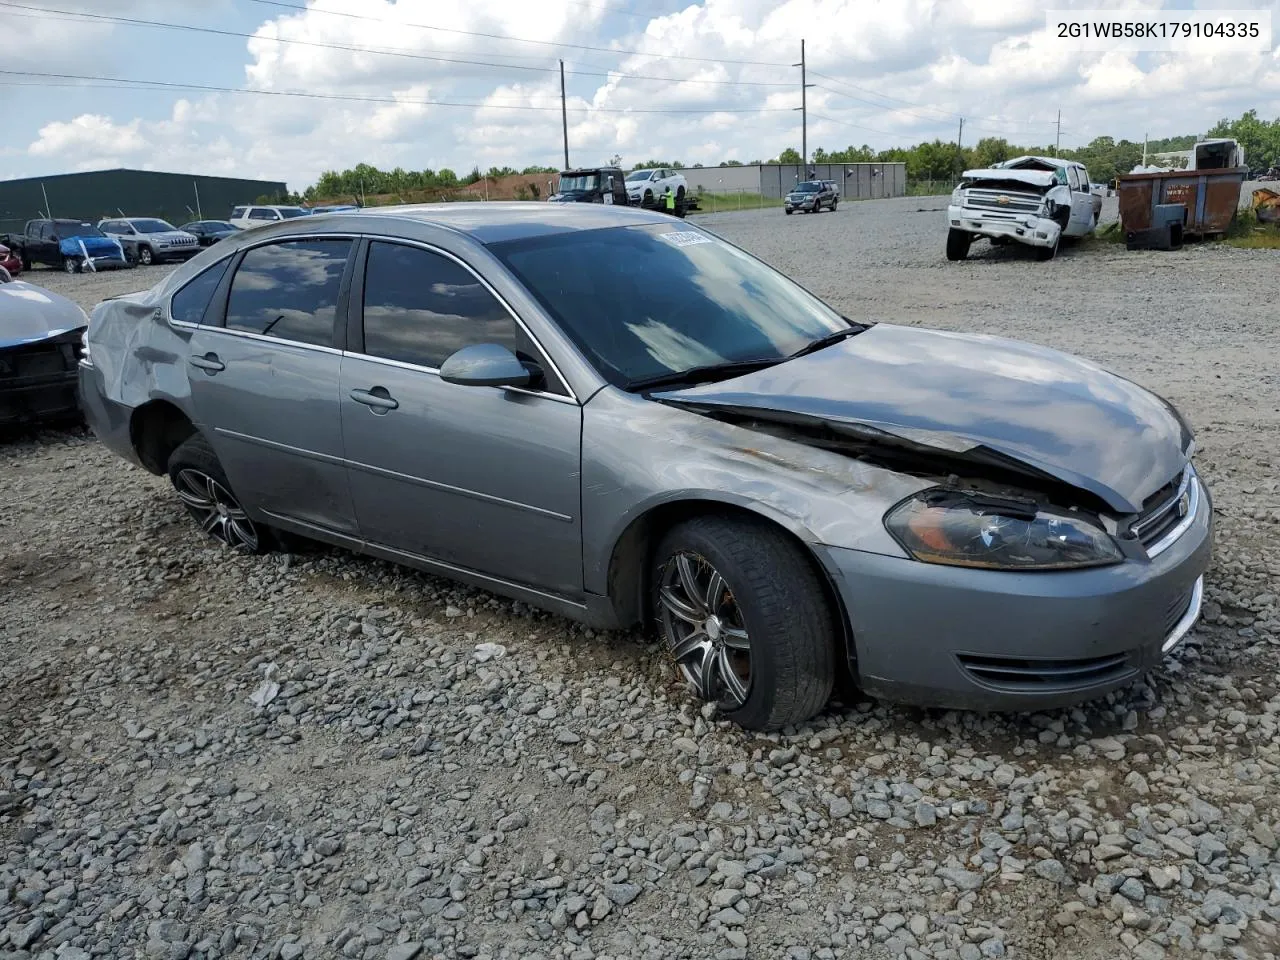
[833, 205]
[145, 257]
[1048, 253]
[958, 244]
[647, 201]
[70, 264]
[789, 211]
[26, 261]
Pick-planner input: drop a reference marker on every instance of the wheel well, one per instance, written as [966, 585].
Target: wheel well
[629, 566]
[157, 429]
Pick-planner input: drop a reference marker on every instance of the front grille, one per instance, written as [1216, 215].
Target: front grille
[37, 360]
[1163, 510]
[1020, 675]
[1015, 202]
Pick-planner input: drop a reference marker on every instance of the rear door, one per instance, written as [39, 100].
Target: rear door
[1081, 203]
[264, 365]
[481, 478]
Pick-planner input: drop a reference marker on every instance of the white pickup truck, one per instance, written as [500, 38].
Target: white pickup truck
[1032, 200]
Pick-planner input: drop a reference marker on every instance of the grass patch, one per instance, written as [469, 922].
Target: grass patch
[722, 202]
[1247, 233]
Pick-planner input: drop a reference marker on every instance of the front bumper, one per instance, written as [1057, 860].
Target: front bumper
[1023, 227]
[35, 399]
[799, 204]
[963, 638]
[175, 253]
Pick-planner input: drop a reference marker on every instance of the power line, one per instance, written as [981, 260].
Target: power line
[496, 36]
[214, 31]
[856, 126]
[137, 84]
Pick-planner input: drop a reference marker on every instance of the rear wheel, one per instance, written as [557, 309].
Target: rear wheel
[71, 264]
[744, 616]
[833, 205]
[145, 256]
[958, 242]
[204, 490]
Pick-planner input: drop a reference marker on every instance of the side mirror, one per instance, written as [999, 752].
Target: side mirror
[485, 365]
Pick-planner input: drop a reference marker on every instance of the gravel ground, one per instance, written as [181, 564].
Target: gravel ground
[320, 755]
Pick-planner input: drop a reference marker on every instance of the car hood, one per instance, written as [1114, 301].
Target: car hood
[29, 313]
[1034, 178]
[170, 236]
[94, 246]
[965, 394]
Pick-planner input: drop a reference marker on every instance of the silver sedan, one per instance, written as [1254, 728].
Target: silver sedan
[626, 419]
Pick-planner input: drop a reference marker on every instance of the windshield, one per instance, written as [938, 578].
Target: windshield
[65, 229]
[715, 303]
[586, 181]
[806, 188]
[639, 175]
[152, 226]
[290, 212]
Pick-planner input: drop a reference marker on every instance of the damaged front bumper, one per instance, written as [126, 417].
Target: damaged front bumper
[964, 638]
[38, 382]
[1028, 228]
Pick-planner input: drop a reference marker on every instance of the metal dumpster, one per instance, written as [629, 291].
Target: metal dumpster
[1210, 196]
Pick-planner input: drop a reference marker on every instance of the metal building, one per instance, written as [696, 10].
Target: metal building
[858, 181]
[175, 197]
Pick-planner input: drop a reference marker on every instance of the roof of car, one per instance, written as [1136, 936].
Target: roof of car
[494, 221]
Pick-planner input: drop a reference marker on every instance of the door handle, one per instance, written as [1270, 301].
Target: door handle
[378, 398]
[208, 362]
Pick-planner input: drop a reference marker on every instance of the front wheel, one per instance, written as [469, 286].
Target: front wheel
[789, 211]
[744, 616]
[1048, 253]
[833, 205]
[958, 242]
[70, 264]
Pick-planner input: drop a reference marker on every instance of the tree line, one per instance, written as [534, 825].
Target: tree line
[937, 159]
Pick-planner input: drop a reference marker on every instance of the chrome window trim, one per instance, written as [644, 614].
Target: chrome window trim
[435, 371]
[246, 335]
[430, 248]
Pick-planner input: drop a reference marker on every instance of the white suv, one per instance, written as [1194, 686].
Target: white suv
[255, 216]
[645, 188]
[154, 240]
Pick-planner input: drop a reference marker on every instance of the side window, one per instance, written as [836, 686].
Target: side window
[289, 290]
[1084, 179]
[1073, 178]
[238, 213]
[261, 213]
[420, 307]
[44, 231]
[192, 300]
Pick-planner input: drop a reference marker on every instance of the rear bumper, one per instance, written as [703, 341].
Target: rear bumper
[989, 640]
[109, 421]
[1024, 228]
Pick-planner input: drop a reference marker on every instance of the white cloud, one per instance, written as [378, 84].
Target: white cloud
[906, 69]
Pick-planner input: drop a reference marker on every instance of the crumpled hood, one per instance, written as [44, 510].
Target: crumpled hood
[1035, 178]
[29, 313]
[1059, 414]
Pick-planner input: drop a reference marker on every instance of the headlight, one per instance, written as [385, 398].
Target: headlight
[961, 530]
[1050, 207]
[957, 196]
[84, 347]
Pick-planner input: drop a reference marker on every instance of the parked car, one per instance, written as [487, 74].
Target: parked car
[67, 245]
[340, 208]
[40, 344]
[957, 519]
[591, 185]
[209, 232]
[255, 216]
[645, 188]
[1030, 200]
[10, 262]
[810, 196]
[153, 239]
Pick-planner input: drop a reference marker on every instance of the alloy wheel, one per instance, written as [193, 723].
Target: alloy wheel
[216, 510]
[704, 630]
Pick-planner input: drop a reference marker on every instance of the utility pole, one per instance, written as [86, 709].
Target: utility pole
[1057, 143]
[1144, 152]
[959, 156]
[564, 117]
[804, 114]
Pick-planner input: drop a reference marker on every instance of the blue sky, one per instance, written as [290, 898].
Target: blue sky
[886, 72]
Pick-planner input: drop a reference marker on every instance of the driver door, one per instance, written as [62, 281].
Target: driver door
[481, 478]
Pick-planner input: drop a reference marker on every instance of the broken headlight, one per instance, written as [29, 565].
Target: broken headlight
[963, 530]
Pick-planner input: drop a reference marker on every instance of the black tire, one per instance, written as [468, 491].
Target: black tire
[788, 210]
[70, 265]
[833, 205]
[145, 256]
[194, 461]
[1048, 253]
[647, 200]
[26, 261]
[774, 591]
[958, 244]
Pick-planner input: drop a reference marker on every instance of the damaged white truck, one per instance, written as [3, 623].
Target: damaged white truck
[1032, 200]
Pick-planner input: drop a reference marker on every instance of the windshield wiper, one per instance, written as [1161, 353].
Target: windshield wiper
[823, 342]
[703, 374]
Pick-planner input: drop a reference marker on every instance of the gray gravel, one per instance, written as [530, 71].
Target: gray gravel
[427, 771]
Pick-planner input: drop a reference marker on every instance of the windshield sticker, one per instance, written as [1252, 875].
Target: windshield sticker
[685, 238]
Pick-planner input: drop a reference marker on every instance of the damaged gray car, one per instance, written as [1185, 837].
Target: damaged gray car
[502, 393]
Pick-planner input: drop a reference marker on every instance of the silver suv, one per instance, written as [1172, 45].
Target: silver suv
[154, 240]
